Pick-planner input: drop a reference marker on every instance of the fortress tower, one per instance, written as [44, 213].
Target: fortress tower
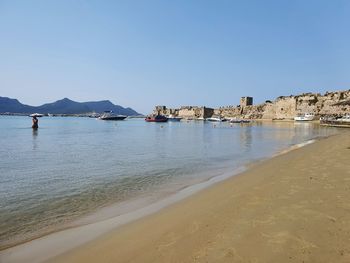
[246, 101]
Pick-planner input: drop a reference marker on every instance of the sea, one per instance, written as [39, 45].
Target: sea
[71, 169]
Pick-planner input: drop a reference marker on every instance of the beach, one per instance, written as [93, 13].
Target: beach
[291, 208]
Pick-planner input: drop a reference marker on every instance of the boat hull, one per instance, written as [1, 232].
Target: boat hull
[157, 118]
[304, 118]
[153, 120]
[114, 118]
[174, 119]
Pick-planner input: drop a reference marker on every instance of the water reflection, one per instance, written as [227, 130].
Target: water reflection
[35, 135]
[246, 137]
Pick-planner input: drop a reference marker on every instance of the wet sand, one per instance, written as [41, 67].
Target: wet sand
[292, 208]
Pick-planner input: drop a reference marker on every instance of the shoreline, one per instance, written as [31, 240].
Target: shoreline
[291, 208]
[77, 235]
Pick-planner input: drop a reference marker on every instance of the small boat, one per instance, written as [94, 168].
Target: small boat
[216, 119]
[345, 118]
[236, 120]
[156, 118]
[38, 115]
[110, 116]
[200, 119]
[94, 115]
[173, 118]
[336, 122]
[305, 117]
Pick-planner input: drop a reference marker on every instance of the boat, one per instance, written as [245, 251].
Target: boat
[216, 119]
[94, 115]
[156, 118]
[110, 116]
[236, 120]
[345, 118]
[305, 117]
[174, 118]
[38, 115]
[336, 122]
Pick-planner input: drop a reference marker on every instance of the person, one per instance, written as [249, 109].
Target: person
[35, 123]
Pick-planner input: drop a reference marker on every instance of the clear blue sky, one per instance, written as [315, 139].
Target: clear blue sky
[180, 52]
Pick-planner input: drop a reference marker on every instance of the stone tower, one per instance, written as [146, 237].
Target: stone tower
[246, 101]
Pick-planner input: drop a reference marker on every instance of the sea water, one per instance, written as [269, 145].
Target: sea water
[72, 168]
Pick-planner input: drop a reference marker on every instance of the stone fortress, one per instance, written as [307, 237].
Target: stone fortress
[330, 104]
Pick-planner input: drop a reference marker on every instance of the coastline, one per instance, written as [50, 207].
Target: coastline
[266, 214]
[60, 242]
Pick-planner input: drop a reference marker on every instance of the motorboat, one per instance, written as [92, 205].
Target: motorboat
[305, 117]
[216, 119]
[174, 118]
[336, 122]
[37, 115]
[94, 115]
[236, 120]
[110, 116]
[156, 118]
[345, 118]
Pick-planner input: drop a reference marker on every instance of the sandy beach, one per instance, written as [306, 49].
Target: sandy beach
[291, 208]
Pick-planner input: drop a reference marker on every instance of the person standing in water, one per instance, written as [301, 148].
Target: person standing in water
[35, 122]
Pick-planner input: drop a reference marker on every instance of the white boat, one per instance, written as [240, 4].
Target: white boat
[237, 120]
[345, 118]
[110, 116]
[305, 117]
[216, 119]
[174, 118]
[38, 115]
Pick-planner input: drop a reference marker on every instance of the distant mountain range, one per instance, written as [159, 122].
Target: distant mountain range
[64, 106]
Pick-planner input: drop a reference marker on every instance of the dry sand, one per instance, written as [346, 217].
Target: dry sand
[292, 208]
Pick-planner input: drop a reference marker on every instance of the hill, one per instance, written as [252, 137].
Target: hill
[64, 106]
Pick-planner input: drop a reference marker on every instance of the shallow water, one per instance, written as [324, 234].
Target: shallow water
[71, 167]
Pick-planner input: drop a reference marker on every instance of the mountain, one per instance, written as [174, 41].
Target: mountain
[64, 106]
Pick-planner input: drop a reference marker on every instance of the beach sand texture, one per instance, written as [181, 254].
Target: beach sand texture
[292, 208]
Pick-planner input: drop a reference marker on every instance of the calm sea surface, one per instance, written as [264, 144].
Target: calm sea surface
[72, 167]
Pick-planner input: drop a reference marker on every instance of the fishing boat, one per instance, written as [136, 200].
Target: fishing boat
[110, 116]
[305, 117]
[174, 118]
[156, 118]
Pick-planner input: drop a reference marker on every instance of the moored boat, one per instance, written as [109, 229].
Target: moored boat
[236, 120]
[339, 122]
[345, 118]
[110, 116]
[216, 119]
[305, 117]
[174, 118]
[156, 118]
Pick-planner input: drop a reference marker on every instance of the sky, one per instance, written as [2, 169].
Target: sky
[182, 52]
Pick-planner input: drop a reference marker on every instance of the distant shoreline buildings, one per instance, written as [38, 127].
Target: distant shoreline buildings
[333, 104]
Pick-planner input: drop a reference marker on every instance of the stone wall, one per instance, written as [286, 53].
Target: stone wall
[187, 112]
[285, 107]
